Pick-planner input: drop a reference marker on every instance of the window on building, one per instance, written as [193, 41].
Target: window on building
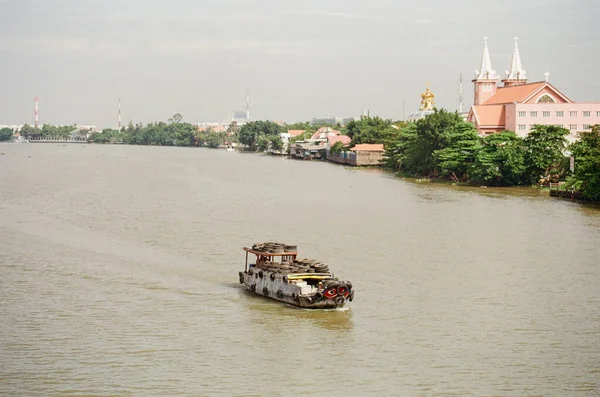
[546, 114]
[522, 127]
[533, 114]
[586, 114]
[586, 127]
[573, 113]
[545, 99]
[560, 114]
[522, 114]
[573, 127]
[598, 113]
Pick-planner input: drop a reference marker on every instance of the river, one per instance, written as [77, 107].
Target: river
[119, 277]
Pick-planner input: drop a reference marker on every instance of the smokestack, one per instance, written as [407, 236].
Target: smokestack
[37, 112]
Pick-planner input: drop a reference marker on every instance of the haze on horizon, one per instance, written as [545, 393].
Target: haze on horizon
[299, 59]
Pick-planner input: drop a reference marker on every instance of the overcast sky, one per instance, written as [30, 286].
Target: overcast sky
[299, 58]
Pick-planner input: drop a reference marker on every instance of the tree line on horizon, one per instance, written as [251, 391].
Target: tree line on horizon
[439, 146]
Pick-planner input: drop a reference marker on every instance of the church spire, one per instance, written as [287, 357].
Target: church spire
[516, 75]
[486, 72]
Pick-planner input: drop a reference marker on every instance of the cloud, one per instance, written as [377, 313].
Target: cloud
[202, 45]
[337, 15]
[424, 21]
[49, 44]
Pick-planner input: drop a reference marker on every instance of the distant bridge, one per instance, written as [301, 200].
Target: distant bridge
[51, 139]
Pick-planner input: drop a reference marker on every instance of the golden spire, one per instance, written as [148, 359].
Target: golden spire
[427, 100]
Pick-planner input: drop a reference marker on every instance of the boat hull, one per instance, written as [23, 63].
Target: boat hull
[275, 286]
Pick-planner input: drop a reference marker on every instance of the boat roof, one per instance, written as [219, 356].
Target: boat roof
[271, 254]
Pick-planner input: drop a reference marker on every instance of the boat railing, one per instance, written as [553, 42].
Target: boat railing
[262, 255]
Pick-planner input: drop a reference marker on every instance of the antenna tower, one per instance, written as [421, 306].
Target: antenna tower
[119, 113]
[37, 112]
[247, 105]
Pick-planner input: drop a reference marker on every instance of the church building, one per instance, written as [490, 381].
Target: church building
[517, 105]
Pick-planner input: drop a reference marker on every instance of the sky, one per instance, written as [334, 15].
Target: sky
[299, 59]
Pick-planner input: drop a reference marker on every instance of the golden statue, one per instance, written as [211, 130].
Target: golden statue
[427, 100]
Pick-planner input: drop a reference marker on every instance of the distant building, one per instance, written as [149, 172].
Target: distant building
[518, 105]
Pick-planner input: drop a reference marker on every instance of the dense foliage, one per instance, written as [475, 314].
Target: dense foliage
[257, 134]
[586, 175]
[500, 161]
[438, 145]
[48, 131]
[6, 134]
[444, 145]
[173, 134]
[370, 130]
[545, 146]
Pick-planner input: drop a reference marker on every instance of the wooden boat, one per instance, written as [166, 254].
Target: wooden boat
[278, 274]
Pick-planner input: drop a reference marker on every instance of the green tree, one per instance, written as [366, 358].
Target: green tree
[263, 143]
[456, 159]
[28, 131]
[302, 125]
[183, 134]
[500, 161]
[586, 176]
[337, 148]
[6, 134]
[250, 133]
[370, 130]
[545, 146]
[233, 129]
[276, 143]
[214, 139]
[49, 131]
[417, 148]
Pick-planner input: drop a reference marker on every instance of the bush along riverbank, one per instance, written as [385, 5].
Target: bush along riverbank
[443, 146]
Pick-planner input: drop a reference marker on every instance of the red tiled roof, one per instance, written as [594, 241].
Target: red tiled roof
[345, 139]
[517, 93]
[294, 133]
[325, 130]
[368, 147]
[492, 115]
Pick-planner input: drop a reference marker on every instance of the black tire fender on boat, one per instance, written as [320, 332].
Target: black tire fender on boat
[251, 271]
[334, 285]
[279, 294]
[339, 300]
[272, 276]
[351, 297]
[260, 274]
[253, 287]
[285, 279]
[294, 296]
[265, 291]
[348, 284]
[318, 296]
[241, 278]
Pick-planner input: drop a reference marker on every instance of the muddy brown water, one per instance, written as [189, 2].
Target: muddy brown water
[119, 268]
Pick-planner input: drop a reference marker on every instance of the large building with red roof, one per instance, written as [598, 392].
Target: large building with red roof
[517, 105]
